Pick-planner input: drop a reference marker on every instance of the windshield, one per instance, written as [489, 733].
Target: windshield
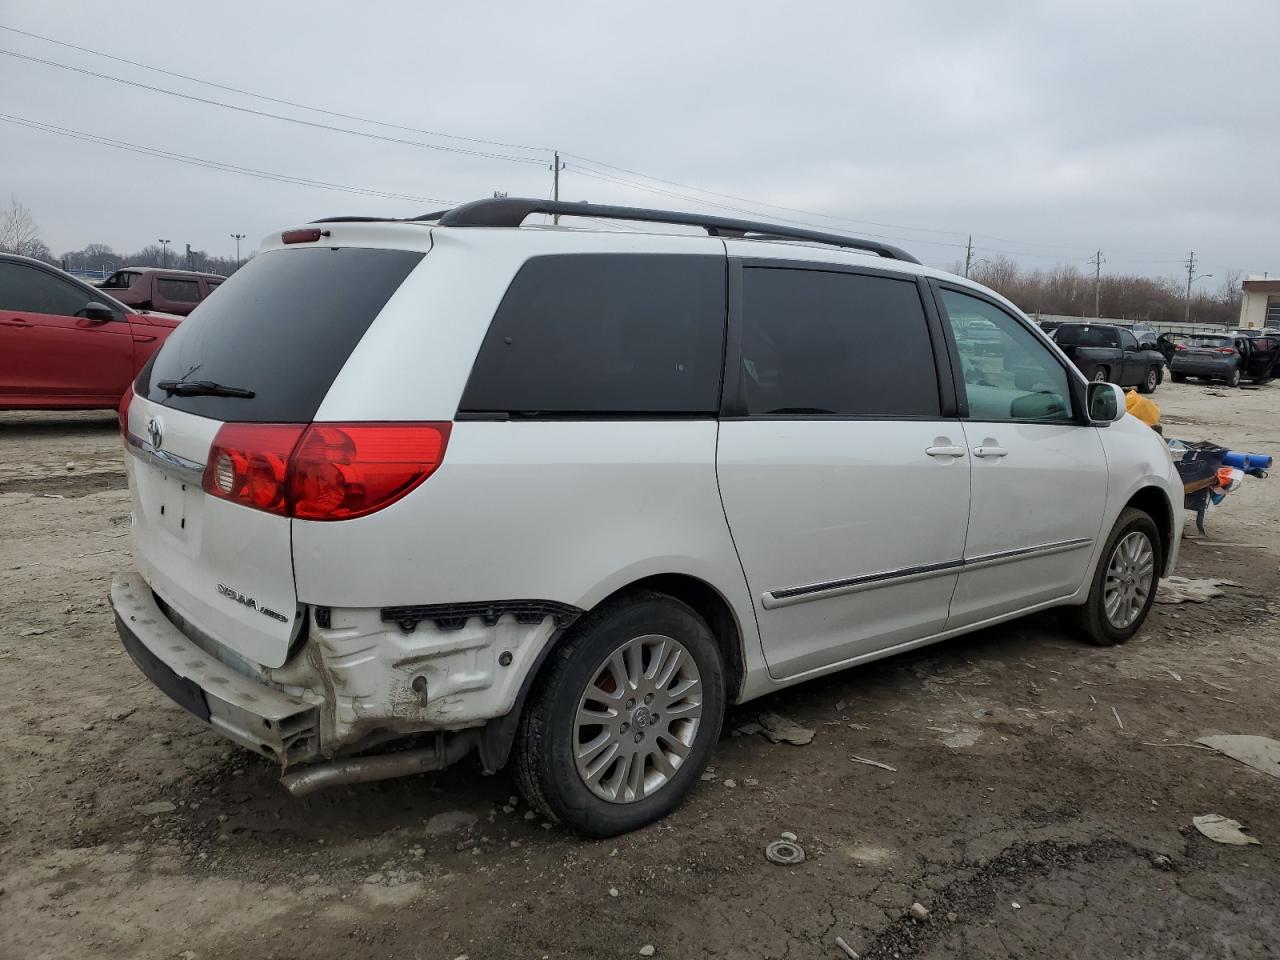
[120, 280]
[281, 328]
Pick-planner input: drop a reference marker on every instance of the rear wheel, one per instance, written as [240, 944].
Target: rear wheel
[1151, 381]
[1124, 584]
[1101, 374]
[1234, 379]
[625, 718]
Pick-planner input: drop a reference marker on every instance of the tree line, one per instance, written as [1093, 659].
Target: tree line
[1069, 291]
[19, 234]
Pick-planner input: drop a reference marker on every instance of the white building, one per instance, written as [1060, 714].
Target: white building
[1261, 304]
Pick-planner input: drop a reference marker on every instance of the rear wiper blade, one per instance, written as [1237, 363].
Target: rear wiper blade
[203, 388]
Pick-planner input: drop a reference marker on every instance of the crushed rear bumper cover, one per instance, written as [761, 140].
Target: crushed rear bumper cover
[263, 719]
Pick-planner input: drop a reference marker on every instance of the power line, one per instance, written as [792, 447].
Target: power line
[262, 96]
[217, 164]
[273, 116]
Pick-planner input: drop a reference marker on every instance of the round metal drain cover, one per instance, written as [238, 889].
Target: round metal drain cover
[784, 852]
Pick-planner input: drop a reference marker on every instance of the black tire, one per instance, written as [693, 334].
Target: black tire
[1234, 379]
[1101, 375]
[545, 764]
[1178, 377]
[1091, 619]
[1150, 381]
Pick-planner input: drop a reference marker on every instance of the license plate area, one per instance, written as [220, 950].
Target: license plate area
[174, 504]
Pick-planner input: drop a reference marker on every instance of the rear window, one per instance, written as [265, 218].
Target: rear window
[283, 326]
[1209, 342]
[1082, 335]
[626, 334]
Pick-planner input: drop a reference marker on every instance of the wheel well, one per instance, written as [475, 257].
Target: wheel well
[1153, 502]
[713, 608]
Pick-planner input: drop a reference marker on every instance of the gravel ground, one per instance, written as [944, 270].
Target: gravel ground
[1040, 800]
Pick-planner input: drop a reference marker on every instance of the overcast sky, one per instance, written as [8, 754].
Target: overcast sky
[1048, 130]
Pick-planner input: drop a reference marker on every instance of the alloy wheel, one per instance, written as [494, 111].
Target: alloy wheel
[637, 719]
[1130, 573]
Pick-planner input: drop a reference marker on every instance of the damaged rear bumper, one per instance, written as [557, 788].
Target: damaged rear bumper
[268, 721]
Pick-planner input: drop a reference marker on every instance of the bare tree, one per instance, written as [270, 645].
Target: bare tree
[19, 234]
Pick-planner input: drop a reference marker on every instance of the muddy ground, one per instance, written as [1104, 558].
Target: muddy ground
[1036, 785]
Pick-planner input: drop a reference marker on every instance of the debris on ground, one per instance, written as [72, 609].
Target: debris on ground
[1261, 753]
[874, 763]
[787, 853]
[847, 950]
[747, 729]
[1188, 590]
[782, 729]
[788, 836]
[648, 950]
[919, 911]
[155, 807]
[1222, 829]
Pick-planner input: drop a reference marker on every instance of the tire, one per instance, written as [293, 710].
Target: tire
[1100, 375]
[1105, 629]
[1178, 377]
[1151, 381]
[1234, 379]
[589, 662]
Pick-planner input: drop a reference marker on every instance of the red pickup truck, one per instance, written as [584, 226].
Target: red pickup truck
[65, 344]
[153, 288]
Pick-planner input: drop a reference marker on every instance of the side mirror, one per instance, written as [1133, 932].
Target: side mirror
[98, 312]
[1106, 403]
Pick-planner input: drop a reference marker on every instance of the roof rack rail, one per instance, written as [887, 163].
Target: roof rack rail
[512, 212]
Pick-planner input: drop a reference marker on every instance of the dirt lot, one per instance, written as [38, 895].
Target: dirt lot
[1037, 784]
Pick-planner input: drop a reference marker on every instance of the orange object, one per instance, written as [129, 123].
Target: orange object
[1148, 411]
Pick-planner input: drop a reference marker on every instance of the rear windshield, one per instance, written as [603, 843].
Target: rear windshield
[282, 326]
[1080, 335]
[1208, 342]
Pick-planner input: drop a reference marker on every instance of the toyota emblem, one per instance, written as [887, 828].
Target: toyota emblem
[155, 430]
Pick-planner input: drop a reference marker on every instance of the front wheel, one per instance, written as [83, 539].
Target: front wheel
[625, 717]
[1124, 584]
[1151, 382]
[1100, 375]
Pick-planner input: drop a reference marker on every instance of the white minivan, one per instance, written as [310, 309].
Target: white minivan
[408, 490]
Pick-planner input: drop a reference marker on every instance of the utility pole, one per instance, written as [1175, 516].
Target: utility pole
[556, 167]
[1097, 260]
[164, 253]
[968, 255]
[191, 261]
[1191, 278]
[237, 237]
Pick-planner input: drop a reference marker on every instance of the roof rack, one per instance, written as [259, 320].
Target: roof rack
[512, 212]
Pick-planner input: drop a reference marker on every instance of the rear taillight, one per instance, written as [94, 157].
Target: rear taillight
[1226, 350]
[249, 464]
[325, 471]
[124, 411]
[1179, 346]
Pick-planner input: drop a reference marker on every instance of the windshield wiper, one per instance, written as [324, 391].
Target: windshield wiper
[203, 388]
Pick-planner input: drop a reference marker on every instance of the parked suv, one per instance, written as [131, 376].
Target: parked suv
[453, 485]
[153, 288]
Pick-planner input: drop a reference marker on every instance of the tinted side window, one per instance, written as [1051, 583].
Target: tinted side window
[1127, 340]
[180, 291]
[1014, 376]
[31, 290]
[841, 344]
[605, 333]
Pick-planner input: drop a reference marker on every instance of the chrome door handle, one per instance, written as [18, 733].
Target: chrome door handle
[945, 451]
[992, 452]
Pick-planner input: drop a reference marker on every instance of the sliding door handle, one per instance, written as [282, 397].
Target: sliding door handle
[990, 452]
[951, 450]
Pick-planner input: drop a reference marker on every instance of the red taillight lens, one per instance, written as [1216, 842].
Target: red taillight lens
[249, 464]
[1226, 350]
[124, 411]
[341, 471]
[1179, 346]
[303, 236]
[325, 471]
